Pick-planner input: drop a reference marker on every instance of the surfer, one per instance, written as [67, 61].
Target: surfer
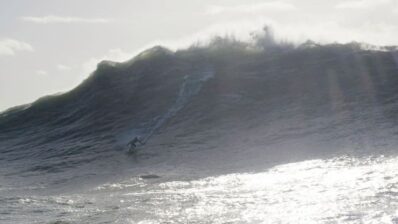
[133, 143]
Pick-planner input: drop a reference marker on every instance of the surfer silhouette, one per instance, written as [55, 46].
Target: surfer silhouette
[133, 143]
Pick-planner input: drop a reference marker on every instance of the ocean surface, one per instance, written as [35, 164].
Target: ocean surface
[338, 190]
[293, 135]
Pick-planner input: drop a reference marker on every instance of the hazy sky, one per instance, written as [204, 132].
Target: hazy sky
[48, 46]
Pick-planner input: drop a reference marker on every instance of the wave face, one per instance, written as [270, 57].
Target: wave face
[202, 112]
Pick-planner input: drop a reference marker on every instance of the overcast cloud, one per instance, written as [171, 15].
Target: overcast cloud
[59, 19]
[362, 4]
[251, 8]
[11, 47]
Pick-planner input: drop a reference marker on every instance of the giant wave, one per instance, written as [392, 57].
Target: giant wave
[204, 111]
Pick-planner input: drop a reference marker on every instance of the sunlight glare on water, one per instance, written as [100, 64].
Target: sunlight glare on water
[340, 190]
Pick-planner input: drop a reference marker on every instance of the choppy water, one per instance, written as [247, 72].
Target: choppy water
[339, 190]
[222, 127]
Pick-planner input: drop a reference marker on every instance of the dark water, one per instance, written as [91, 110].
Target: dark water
[304, 134]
